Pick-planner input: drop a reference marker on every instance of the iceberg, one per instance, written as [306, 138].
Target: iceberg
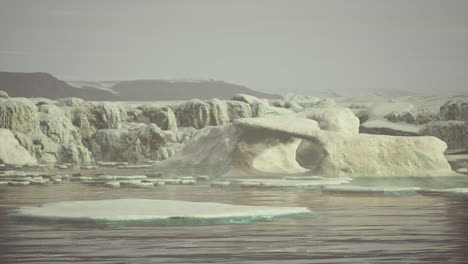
[153, 210]
[290, 146]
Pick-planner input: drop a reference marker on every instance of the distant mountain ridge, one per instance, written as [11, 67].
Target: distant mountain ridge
[18, 84]
[47, 86]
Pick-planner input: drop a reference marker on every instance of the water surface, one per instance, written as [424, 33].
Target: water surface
[348, 228]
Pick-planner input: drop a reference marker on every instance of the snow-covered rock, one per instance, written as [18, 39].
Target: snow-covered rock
[378, 115]
[259, 106]
[456, 109]
[218, 112]
[11, 152]
[106, 115]
[237, 109]
[134, 142]
[4, 94]
[337, 119]
[74, 154]
[193, 113]
[454, 133]
[18, 114]
[59, 128]
[163, 117]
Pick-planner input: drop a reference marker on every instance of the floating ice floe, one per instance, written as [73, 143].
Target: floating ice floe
[114, 184]
[82, 178]
[136, 184]
[121, 177]
[447, 191]
[56, 180]
[187, 181]
[142, 166]
[462, 170]
[184, 178]
[203, 178]
[38, 182]
[18, 183]
[153, 174]
[369, 189]
[220, 183]
[155, 181]
[172, 181]
[303, 178]
[146, 210]
[290, 183]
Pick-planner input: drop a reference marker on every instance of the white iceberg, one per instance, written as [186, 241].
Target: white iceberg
[146, 209]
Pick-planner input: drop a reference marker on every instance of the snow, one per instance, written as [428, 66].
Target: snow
[146, 209]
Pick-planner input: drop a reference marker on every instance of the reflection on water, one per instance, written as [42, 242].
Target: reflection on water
[349, 229]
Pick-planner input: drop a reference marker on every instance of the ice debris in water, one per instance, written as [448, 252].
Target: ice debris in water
[316, 182]
[371, 189]
[147, 209]
[447, 191]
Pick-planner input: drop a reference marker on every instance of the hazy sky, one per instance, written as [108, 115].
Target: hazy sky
[269, 45]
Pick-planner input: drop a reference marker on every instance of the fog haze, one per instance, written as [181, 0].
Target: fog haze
[273, 46]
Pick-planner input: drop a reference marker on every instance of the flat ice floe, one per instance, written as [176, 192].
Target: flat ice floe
[447, 191]
[369, 189]
[146, 209]
[292, 183]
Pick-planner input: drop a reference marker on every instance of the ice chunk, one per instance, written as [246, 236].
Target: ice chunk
[38, 182]
[220, 183]
[185, 178]
[120, 177]
[203, 178]
[18, 183]
[146, 209]
[56, 180]
[107, 164]
[113, 184]
[171, 181]
[187, 181]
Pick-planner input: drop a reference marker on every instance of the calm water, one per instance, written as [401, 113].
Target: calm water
[347, 229]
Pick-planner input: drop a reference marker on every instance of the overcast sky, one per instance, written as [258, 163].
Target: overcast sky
[269, 45]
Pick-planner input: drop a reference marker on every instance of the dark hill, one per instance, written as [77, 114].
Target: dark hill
[155, 90]
[47, 86]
